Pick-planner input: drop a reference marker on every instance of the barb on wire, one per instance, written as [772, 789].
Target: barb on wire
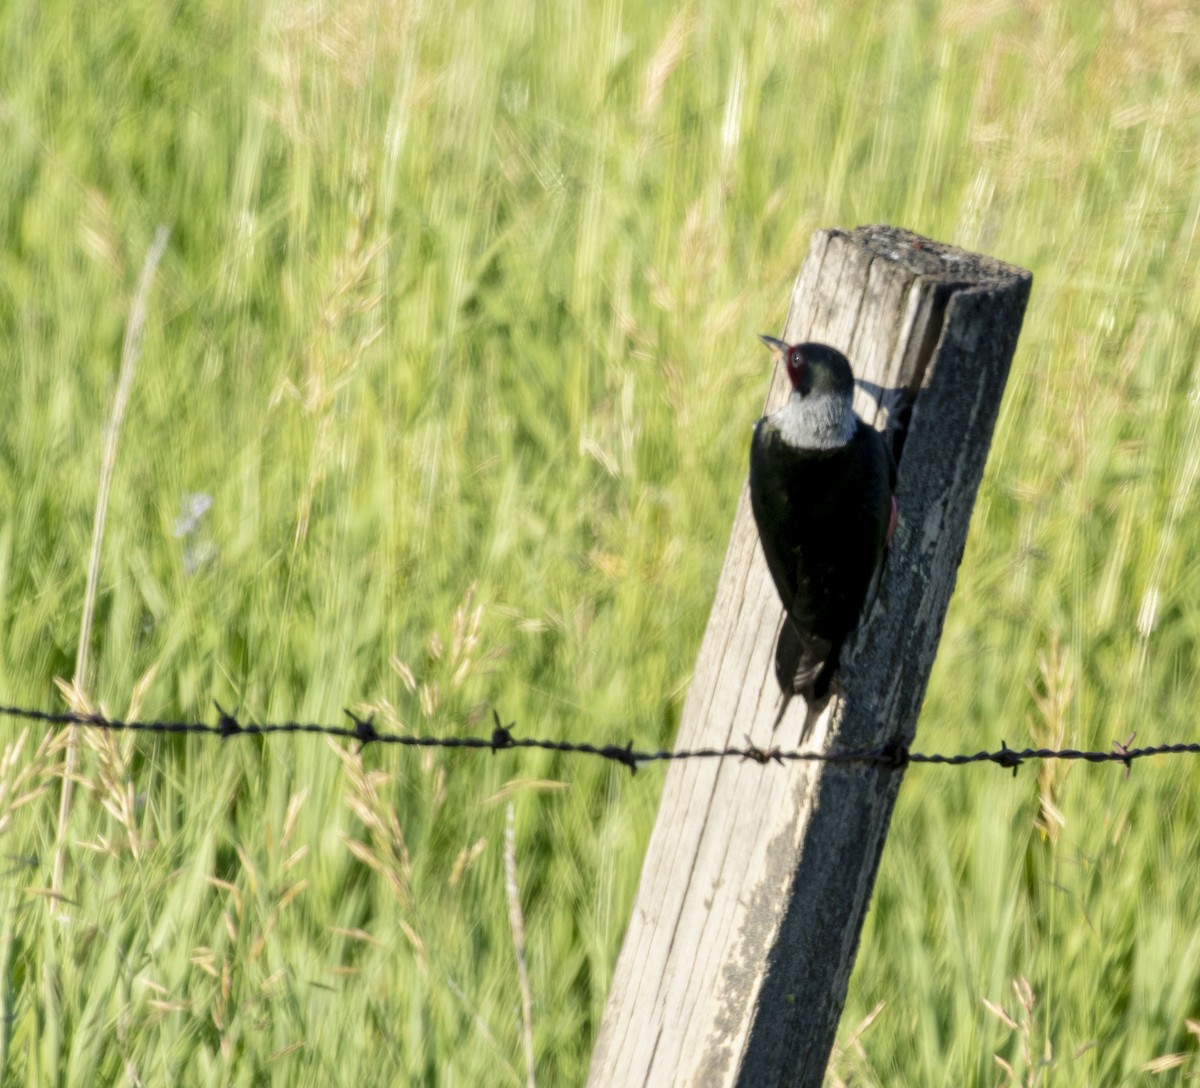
[895, 755]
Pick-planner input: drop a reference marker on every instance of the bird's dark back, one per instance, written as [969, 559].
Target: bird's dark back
[832, 508]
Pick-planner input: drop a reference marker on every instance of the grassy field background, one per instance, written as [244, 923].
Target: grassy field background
[455, 329]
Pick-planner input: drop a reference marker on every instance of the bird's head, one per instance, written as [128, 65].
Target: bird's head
[814, 368]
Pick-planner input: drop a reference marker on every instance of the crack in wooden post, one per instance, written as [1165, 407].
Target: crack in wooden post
[756, 879]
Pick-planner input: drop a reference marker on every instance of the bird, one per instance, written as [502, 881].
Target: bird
[822, 490]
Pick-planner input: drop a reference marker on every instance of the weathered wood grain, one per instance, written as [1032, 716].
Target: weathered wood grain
[757, 879]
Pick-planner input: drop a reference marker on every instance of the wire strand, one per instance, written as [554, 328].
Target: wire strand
[363, 730]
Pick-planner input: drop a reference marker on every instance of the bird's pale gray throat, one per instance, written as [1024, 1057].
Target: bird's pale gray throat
[820, 421]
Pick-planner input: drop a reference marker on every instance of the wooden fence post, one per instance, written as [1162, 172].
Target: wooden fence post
[757, 878]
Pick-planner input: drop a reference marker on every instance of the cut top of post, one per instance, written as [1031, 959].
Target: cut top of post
[879, 294]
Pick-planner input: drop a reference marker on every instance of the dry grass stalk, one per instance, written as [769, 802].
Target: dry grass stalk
[1024, 1027]
[516, 921]
[130, 352]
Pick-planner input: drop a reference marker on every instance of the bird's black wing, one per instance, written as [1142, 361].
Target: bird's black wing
[823, 520]
[802, 656]
[772, 507]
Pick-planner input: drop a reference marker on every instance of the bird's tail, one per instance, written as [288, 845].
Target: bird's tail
[804, 666]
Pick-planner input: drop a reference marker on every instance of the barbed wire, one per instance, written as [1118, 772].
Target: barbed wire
[502, 739]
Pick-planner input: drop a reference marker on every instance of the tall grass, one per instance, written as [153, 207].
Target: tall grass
[455, 331]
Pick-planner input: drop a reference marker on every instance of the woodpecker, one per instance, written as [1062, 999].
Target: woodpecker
[822, 488]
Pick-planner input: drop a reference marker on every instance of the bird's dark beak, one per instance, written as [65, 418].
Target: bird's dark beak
[778, 347]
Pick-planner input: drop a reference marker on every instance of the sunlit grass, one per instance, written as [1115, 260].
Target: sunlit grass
[456, 330]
